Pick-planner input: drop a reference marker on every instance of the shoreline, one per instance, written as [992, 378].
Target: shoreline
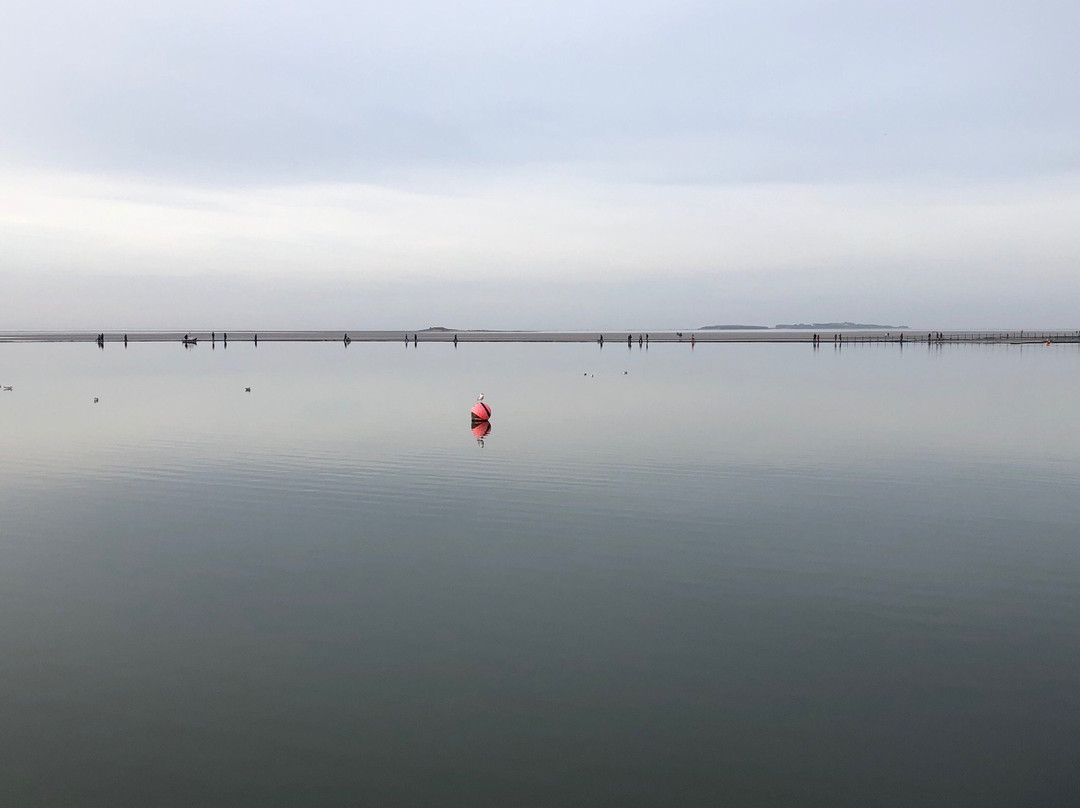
[609, 337]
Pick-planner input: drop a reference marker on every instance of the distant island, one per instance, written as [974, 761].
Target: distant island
[442, 329]
[734, 328]
[839, 325]
[795, 326]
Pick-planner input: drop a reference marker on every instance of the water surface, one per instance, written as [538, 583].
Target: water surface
[744, 574]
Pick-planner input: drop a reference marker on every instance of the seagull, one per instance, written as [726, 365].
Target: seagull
[8, 389]
[247, 389]
[480, 397]
[95, 399]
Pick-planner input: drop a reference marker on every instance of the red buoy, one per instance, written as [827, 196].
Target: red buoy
[480, 410]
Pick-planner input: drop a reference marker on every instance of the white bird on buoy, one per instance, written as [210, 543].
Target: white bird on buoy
[480, 410]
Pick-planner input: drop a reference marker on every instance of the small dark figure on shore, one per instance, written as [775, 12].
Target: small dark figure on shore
[256, 340]
[455, 340]
[629, 339]
[213, 336]
[125, 340]
[414, 339]
[346, 340]
[225, 336]
[646, 339]
[601, 340]
[901, 337]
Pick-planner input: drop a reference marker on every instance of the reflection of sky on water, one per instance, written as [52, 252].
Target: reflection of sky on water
[755, 564]
[717, 405]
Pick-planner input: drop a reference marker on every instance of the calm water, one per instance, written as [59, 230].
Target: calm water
[742, 574]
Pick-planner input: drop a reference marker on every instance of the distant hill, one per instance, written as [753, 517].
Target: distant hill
[734, 328]
[840, 325]
[442, 329]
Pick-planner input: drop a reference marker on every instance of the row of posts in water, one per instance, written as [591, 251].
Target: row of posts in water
[643, 339]
[901, 337]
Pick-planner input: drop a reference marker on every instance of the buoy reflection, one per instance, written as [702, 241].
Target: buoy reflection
[480, 430]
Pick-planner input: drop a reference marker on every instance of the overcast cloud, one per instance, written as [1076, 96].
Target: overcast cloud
[585, 164]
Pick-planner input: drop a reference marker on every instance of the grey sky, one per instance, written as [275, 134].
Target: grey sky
[758, 161]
